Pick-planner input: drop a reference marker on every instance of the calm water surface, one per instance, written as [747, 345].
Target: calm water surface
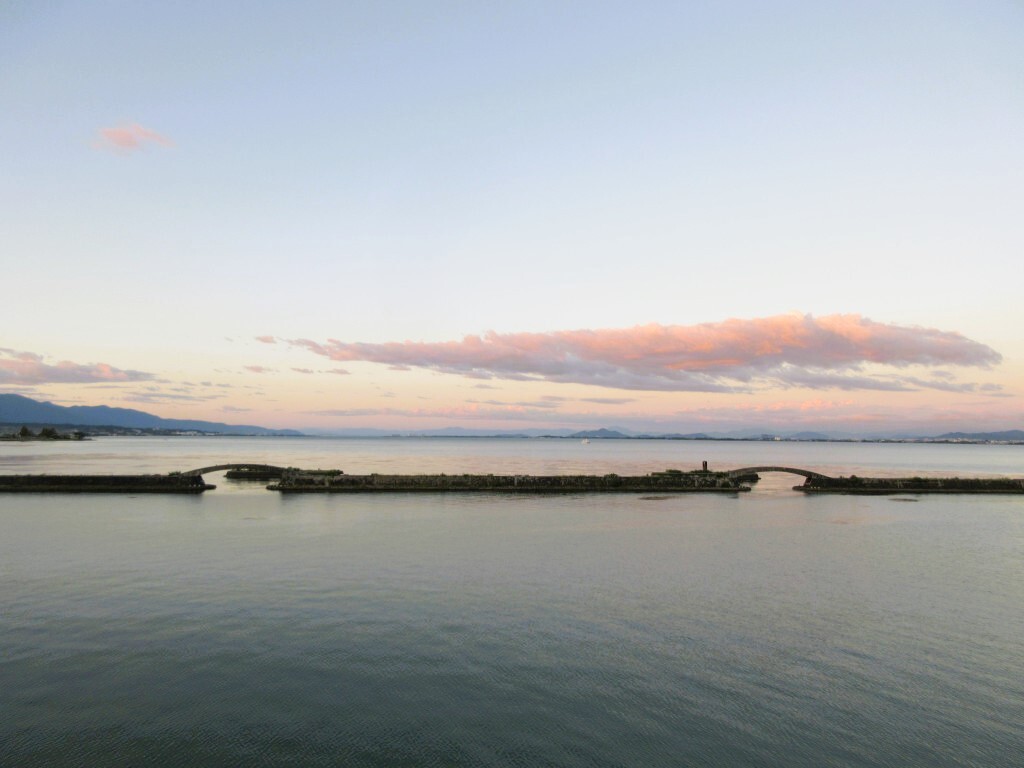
[767, 629]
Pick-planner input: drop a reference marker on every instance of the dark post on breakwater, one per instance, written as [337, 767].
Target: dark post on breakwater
[291, 480]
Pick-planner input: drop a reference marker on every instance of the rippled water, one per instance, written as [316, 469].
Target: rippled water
[243, 627]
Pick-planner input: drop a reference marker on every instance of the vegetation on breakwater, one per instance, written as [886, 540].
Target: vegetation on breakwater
[884, 485]
[670, 481]
[172, 483]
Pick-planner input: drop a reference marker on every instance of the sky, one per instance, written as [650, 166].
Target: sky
[658, 216]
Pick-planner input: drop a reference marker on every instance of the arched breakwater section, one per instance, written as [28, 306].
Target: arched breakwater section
[190, 481]
[292, 480]
[816, 482]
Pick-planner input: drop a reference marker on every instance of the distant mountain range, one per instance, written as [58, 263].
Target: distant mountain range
[18, 410]
[621, 433]
[598, 433]
[1010, 435]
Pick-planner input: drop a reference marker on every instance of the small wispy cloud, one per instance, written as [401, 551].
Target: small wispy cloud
[993, 390]
[258, 369]
[833, 352]
[304, 370]
[465, 412]
[181, 393]
[129, 138]
[543, 403]
[18, 367]
[266, 339]
[165, 397]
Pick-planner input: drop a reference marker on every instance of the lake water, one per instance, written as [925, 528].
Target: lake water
[764, 629]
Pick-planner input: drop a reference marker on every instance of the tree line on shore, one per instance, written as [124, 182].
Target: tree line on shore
[46, 433]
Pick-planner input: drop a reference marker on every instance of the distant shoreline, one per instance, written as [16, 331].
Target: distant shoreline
[37, 439]
[89, 433]
[17, 411]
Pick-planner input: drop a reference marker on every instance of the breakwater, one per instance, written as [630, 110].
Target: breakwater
[669, 481]
[173, 483]
[890, 485]
[265, 473]
[294, 480]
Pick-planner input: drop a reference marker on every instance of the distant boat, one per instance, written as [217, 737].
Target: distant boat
[585, 441]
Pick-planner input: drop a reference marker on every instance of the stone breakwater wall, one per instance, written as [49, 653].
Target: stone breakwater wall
[102, 484]
[673, 482]
[336, 481]
[253, 474]
[884, 485]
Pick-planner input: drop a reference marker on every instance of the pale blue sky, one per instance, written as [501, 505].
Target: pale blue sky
[377, 172]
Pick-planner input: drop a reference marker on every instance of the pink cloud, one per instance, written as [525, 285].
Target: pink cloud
[29, 368]
[129, 138]
[266, 339]
[258, 369]
[735, 355]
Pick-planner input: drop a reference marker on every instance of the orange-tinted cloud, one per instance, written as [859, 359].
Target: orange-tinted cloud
[731, 356]
[129, 138]
[29, 368]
